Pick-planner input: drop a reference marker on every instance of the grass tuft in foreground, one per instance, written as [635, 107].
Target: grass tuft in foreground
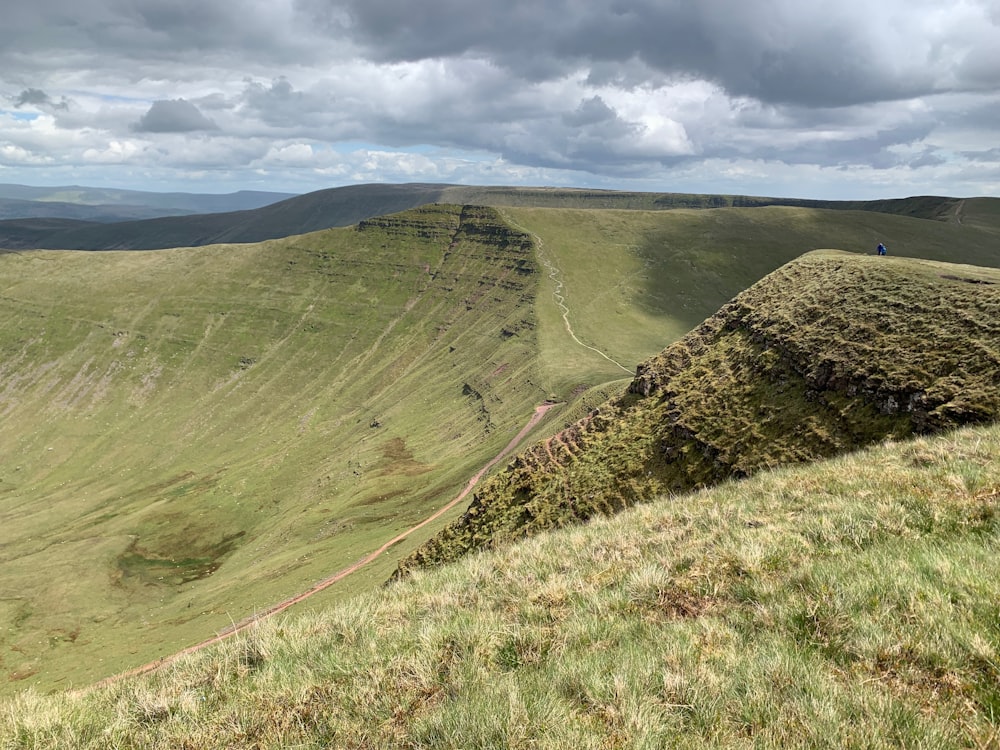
[849, 603]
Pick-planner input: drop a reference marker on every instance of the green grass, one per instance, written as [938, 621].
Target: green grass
[192, 436]
[981, 213]
[630, 276]
[849, 603]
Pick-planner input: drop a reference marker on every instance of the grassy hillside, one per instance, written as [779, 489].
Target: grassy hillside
[627, 275]
[829, 353]
[850, 603]
[230, 424]
[981, 213]
[193, 435]
[27, 234]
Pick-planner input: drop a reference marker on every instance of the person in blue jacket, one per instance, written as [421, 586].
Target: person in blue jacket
[880, 249]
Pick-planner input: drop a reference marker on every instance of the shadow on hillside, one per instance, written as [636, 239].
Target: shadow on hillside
[696, 261]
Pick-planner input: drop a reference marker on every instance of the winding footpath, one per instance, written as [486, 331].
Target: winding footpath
[557, 286]
[555, 276]
[540, 412]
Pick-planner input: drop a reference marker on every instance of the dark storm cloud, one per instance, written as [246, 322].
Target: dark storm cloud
[822, 53]
[972, 114]
[991, 155]
[173, 116]
[31, 96]
[100, 34]
[279, 104]
[38, 98]
[816, 54]
[590, 112]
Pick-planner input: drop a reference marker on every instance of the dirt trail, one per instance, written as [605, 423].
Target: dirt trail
[557, 291]
[540, 412]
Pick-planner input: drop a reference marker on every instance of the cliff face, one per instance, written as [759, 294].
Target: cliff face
[828, 354]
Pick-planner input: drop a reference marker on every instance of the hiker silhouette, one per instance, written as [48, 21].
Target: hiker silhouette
[880, 249]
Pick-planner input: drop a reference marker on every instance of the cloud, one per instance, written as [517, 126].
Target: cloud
[825, 53]
[594, 92]
[38, 98]
[173, 116]
[11, 155]
[31, 96]
[116, 152]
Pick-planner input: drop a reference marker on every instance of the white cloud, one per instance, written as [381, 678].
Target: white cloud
[116, 152]
[292, 155]
[11, 155]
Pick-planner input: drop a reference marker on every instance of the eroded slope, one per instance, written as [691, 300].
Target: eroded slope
[827, 354]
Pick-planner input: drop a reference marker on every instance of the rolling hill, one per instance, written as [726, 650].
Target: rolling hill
[344, 206]
[195, 434]
[11, 209]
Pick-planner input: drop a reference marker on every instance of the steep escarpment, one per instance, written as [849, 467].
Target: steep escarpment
[829, 353]
[193, 435]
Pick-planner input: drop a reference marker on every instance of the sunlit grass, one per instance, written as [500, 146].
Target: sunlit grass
[192, 436]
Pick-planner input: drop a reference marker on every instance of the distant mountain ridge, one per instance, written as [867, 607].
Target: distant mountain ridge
[114, 205]
[344, 206]
[13, 209]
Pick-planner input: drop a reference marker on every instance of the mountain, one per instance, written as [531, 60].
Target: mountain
[300, 215]
[194, 435]
[849, 602]
[106, 205]
[348, 205]
[828, 354]
[197, 434]
[11, 209]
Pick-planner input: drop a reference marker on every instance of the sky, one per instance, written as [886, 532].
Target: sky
[829, 99]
